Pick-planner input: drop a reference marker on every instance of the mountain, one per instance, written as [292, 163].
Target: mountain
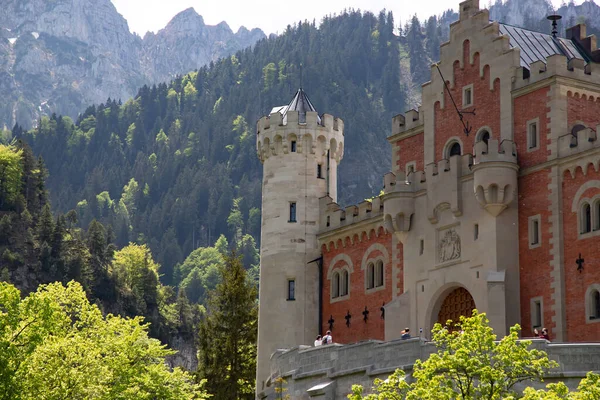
[59, 56]
[175, 167]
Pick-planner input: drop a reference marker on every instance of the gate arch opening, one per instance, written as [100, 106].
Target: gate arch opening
[457, 303]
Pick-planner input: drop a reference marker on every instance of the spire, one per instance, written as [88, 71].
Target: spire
[302, 104]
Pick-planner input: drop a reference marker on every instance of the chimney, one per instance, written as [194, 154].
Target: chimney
[578, 35]
[468, 8]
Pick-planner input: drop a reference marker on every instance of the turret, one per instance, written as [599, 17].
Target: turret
[300, 151]
[495, 174]
[398, 203]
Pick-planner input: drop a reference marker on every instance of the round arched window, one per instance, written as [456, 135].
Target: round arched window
[484, 136]
[454, 150]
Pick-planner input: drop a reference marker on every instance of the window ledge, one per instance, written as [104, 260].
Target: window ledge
[535, 246]
[339, 298]
[375, 289]
[592, 320]
[290, 299]
[588, 234]
[292, 222]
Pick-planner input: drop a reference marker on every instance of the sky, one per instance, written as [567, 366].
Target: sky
[270, 16]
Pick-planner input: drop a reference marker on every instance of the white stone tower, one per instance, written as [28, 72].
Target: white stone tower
[300, 151]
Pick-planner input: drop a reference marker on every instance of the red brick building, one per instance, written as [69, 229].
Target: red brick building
[520, 194]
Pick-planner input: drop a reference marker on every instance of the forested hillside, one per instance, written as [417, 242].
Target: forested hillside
[37, 247]
[176, 167]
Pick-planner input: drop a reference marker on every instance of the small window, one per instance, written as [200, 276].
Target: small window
[320, 171]
[292, 212]
[328, 220]
[344, 283]
[476, 232]
[535, 236]
[370, 276]
[379, 274]
[586, 218]
[411, 167]
[454, 150]
[293, 146]
[596, 215]
[532, 135]
[468, 96]
[421, 247]
[595, 305]
[536, 313]
[335, 292]
[291, 289]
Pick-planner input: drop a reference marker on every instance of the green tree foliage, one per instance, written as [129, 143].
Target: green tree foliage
[228, 332]
[56, 345]
[589, 389]
[469, 364]
[11, 169]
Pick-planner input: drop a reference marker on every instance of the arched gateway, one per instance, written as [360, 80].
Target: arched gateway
[458, 302]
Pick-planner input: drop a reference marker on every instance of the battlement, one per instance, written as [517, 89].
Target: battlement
[586, 139]
[333, 216]
[275, 134]
[492, 152]
[558, 64]
[410, 120]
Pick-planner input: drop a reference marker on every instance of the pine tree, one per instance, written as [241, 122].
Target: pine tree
[228, 332]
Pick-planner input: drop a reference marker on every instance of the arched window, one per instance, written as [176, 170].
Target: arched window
[345, 283]
[370, 276]
[483, 136]
[335, 292]
[379, 274]
[586, 218]
[454, 150]
[595, 306]
[596, 215]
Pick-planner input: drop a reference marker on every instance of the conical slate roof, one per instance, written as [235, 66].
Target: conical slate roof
[300, 103]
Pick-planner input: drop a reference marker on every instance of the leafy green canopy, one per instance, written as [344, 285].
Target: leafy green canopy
[228, 333]
[56, 345]
[471, 364]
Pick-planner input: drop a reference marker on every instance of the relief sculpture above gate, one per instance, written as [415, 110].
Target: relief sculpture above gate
[449, 245]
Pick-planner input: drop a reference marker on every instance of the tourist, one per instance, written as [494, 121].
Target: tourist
[543, 334]
[405, 334]
[327, 339]
[318, 341]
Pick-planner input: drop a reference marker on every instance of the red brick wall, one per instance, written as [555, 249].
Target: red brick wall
[486, 105]
[358, 330]
[411, 149]
[576, 283]
[582, 109]
[527, 107]
[534, 264]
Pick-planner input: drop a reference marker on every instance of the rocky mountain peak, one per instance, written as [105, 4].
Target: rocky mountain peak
[187, 20]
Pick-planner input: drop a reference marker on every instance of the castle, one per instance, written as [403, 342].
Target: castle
[492, 202]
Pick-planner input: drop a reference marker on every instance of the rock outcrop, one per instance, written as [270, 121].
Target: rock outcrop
[63, 55]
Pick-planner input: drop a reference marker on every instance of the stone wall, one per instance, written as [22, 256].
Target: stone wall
[328, 372]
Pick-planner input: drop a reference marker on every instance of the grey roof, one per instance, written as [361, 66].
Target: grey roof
[300, 103]
[537, 46]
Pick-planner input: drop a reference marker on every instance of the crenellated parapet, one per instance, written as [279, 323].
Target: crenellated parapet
[559, 65]
[344, 223]
[314, 135]
[495, 171]
[410, 120]
[583, 140]
[444, 185]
